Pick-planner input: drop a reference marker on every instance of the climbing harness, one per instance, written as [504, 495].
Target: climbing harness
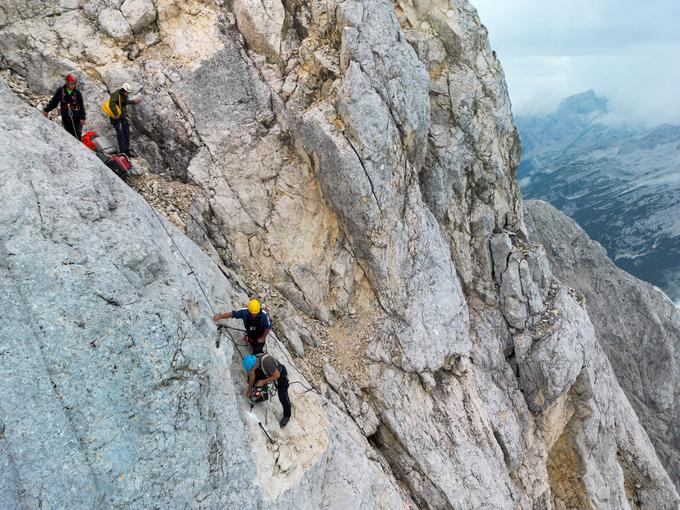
[262, 393]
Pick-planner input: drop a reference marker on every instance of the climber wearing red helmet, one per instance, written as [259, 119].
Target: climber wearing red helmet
[71, 106]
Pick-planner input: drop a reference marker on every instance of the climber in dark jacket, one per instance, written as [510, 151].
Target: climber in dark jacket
[71, 105]
[256, 322]
[118, 104]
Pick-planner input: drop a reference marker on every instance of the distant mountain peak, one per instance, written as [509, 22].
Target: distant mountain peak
[585, 102]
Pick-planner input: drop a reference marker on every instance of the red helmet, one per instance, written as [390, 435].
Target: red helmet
[71, 78]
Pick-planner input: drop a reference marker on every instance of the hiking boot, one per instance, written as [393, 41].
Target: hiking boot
[284, 421]
[131, 154]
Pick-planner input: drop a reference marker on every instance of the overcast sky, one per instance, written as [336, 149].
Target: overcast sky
[626, 50]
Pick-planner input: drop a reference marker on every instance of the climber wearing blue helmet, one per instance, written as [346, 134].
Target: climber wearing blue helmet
[249, 362]
[264, 369]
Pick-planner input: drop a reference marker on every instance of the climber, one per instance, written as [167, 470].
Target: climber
[264, 369]
[255, 320]
[71, 105]
[116, 108]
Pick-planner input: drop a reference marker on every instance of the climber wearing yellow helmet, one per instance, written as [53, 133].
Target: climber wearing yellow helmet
[256, 322]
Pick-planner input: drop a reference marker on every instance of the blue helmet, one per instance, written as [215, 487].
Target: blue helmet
[249, 362]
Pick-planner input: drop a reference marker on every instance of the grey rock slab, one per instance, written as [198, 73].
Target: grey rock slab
[138, 13]
[501, 246]
[514, 303]
[530, 290]
[113, 391]
[442, 443]
[114, 24]
[110, 364]
[355, 402]
[638, 327]
[619, 465]
[549, 366]
[432, 291]
[292, 336]
[261, 23]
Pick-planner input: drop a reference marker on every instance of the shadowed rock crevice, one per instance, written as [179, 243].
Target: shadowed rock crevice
[423, 490]
[565, 472]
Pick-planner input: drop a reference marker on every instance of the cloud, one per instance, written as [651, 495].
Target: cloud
[626, 50]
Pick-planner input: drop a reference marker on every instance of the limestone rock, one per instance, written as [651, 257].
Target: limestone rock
[291, 335]
[570, 341]
[74, 401]
[501, 246]
[92, 8]
[362, 165]
[138, 13]
[114, 24]
[261, 23]
[513, 300]
[638, 327]
[111, 383]
[530, 290]
[357, 405]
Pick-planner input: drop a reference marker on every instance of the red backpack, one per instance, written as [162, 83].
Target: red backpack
[120, 164]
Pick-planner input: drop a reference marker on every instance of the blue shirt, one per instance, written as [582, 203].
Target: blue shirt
[254, 326]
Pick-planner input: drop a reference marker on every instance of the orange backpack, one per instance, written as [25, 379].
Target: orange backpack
[87, 139]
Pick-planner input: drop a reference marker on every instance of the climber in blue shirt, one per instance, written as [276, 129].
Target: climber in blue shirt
[255, 321]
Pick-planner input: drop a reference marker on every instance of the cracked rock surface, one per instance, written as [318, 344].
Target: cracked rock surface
[638, 327]
[113, 392]
[352, 164]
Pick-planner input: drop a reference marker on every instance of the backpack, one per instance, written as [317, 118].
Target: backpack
[106, 107]
[264, 356]
[120, 164]
[88, 140]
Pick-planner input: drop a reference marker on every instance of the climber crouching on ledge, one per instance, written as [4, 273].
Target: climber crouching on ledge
[255, 321]
[261, 371]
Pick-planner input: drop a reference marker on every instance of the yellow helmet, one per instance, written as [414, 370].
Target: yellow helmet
[254, 306]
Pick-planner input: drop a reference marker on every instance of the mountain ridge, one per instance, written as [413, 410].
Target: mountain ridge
[619, 182]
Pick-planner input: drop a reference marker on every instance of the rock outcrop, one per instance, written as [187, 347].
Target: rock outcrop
[638, 326]
[355, 163]
[113, 392]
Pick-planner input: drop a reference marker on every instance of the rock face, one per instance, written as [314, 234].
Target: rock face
[138, 13]
[114, 24]
[261, 23]
[356, 163]
[639, 328]
[113, 391]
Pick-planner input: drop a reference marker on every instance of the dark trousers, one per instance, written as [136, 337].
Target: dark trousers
[122, 128]
[282, 391]
[72, 126]
[257, 347]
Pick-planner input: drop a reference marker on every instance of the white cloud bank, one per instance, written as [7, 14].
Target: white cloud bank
[628, 51]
